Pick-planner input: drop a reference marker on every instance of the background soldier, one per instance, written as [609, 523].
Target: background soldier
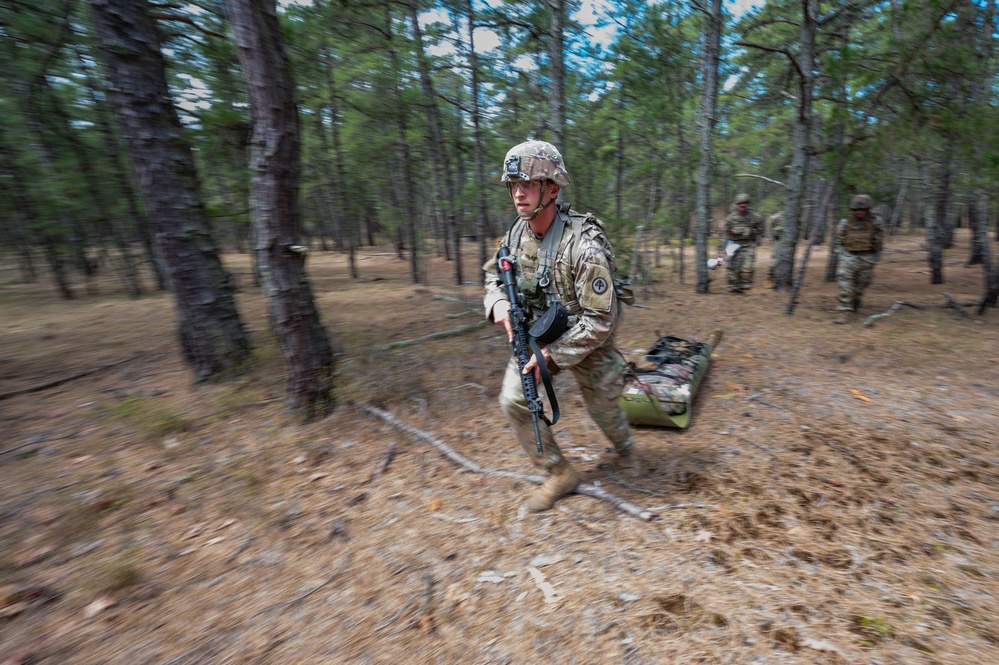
[577, 271]
[776, 228]
[744, 228]
[859, 240]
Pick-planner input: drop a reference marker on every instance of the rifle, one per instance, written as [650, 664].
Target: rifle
[524, 346]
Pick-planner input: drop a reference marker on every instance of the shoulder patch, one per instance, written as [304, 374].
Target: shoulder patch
[597, 291]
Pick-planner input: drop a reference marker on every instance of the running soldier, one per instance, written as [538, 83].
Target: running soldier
[565, 258]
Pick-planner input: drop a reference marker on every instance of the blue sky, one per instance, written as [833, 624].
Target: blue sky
[589, 14]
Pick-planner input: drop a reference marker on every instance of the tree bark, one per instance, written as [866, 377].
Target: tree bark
[978, 219]
[211, 333]
[706, 127]
[438, 150]
[406, 207]
[483, 226]
[818, 232]
[556, 75]
[896, 213]
[935, 212]
[274, 208]
[20, 191]
[51, 108]
[621, 145]
[797, 177]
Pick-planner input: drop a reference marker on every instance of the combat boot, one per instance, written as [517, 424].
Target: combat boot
[630, 465]
[843, 316]
[562, 480]
[627, 464]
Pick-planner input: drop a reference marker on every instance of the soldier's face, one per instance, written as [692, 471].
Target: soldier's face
[860, 213]
[743, 207]
[527, 194]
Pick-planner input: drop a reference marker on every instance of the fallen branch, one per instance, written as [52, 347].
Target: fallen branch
[343, 565]
[891, 310]
[428, 338]
[65, 379]
[956, 305]
[428, 583]
[586, 489]
[386, 461]
[471, 303]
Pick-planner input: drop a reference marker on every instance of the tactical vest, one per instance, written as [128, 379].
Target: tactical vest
[859, 235]
[536, 279]
[742, 228]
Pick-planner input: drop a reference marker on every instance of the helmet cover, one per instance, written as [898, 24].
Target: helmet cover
[535, 160]
[860, 202]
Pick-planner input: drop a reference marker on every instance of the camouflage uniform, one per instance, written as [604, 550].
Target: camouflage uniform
[855, 267]
[746, 230]
[776, 229]
[583, 281]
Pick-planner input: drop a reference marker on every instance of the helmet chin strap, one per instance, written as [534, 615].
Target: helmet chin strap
[537, 211]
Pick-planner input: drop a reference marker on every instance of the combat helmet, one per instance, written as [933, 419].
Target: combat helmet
[535, 160]
[860, 202]
[742, 197]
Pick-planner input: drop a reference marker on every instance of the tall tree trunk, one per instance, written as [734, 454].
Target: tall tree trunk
[945, 200]
[619, 171]
[26, 265]
[706, 127]
[556, 83]
[683, 198]
[275, 164]
[331, 221]
[903, 189]
[57, 264]
[991, 270]
[110, 224]
[438, 150]
[405, 195]
[818, 233]
[20, 191]
[978, 219]
[482, 228]
[115, 151]
[935, 212]
[211, 333]
[70, 227]
[349, 224]
[797, 177]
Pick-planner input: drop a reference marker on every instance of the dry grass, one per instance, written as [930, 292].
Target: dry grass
[834, 500]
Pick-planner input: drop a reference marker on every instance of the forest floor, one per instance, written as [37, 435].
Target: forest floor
[835, 499]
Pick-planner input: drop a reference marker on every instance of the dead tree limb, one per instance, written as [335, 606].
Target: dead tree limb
[65, 379]
[344, 560]
[891, 310]
[385, 463]
[586, 489]
[764, 178]
[428, 338]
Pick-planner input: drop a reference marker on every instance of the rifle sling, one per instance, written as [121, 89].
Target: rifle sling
[546, 378]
